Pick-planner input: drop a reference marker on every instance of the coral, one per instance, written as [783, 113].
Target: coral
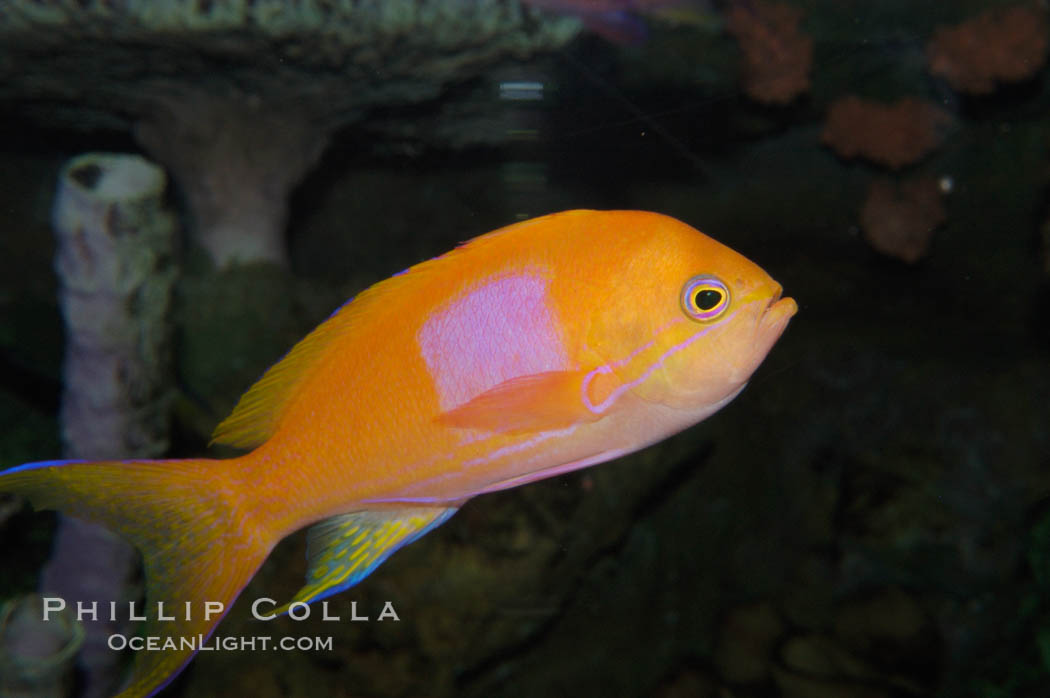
[234, 168]
[115, 261]
[899, 219]
[116, 243]
[893, 135]
[777, 56]
[240, 97]
[998, 45]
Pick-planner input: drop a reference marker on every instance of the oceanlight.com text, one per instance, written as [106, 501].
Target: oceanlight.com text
[232, 643]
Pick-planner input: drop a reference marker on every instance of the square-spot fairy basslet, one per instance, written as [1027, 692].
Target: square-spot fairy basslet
[537, 349]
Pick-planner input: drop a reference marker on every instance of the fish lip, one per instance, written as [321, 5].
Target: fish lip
[780, 309]
[774, 298]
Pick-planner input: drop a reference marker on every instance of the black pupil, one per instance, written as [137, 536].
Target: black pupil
[707, 299]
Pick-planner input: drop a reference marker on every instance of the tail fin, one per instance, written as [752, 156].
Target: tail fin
[198, 543]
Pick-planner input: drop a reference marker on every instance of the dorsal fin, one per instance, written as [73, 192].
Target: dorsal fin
[259, 411]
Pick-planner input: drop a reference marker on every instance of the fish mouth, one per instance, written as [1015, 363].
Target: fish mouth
[779, 310]
[785, 307]
[775, 297]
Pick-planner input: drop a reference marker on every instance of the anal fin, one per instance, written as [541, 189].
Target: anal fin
[343, 550]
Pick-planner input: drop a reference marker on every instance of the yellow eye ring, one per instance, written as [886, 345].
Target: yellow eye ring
[705, 298]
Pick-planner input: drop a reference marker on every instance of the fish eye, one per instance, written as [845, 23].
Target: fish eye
[704, 298]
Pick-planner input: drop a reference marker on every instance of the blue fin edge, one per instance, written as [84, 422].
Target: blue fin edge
[356, 578]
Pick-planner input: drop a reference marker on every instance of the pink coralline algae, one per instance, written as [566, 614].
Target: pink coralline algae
[996, 46]
[777, 56]
[893, 135]
[898, 219]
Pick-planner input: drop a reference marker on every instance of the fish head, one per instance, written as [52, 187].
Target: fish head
[698, 322]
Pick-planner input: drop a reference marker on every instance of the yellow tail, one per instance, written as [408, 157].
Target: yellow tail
[199, 544]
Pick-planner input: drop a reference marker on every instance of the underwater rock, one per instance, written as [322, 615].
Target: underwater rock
[747, 639]
[115, 262]
[813, 666]
[239, 97]
[777, 56]
[815, 655]
[883, 645]
[688, 683]
[37, 648]
[9, 506]
[898, 219]
[893, 632]
[892, 135]
[1000, 45]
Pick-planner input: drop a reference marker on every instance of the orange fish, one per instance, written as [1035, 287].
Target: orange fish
[541, 348]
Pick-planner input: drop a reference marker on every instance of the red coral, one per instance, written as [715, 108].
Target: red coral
[893, 135]
[995, 46]
[898, 219]
[777, 56]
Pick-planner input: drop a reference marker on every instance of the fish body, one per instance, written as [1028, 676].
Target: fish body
[541, 348]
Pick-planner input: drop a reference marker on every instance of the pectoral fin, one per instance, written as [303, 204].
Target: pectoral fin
[343, 550]
[537, 402]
